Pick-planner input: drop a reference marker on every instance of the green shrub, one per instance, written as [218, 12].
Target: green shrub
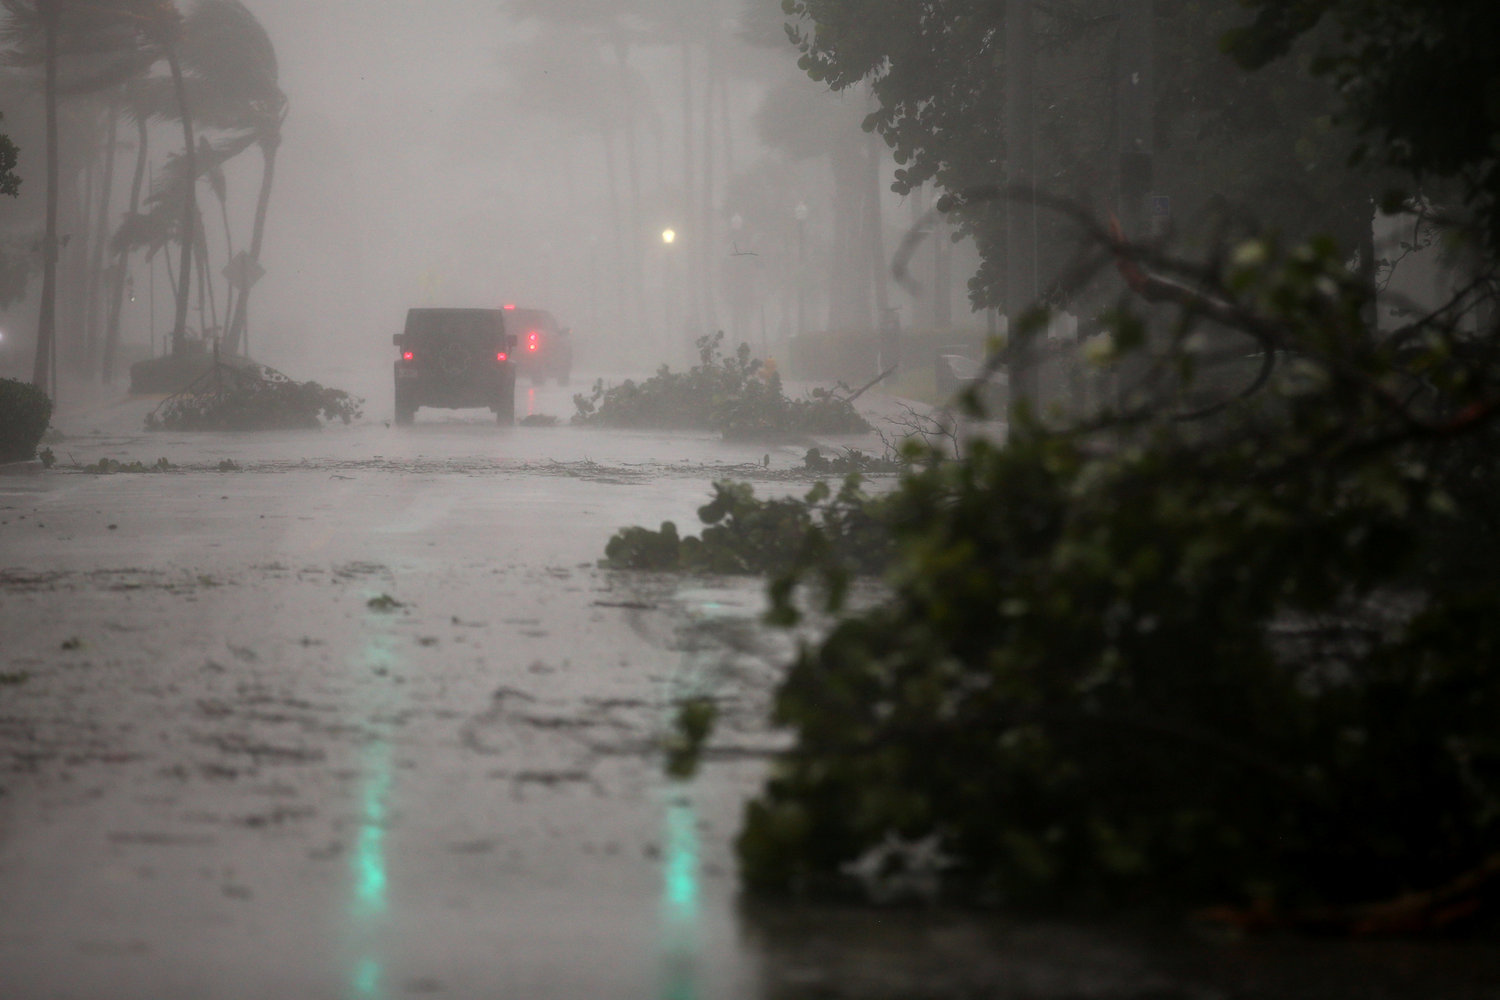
[841, 534]
[1252, 663]
[252, 399]
[729, 394]
[25, 411]
[1144, 661]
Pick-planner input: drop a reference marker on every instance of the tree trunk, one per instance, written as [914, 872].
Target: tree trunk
[189, 208]
[634, 258]
[848, 281]
[622, 243]
[99, 242]
[708, 224]
[1020, 226]
[686, 291]
[205, 286]
[238, 341]
[875, 236]
[117, 288]
[44, 371]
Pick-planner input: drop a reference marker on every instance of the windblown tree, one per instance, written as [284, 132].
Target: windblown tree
[217, 64]
[600, 100]
[13, 272]
[614, 25]
[1230, 151]
[233, 71]
[696, 29]
[76, 47]
[1242, 654]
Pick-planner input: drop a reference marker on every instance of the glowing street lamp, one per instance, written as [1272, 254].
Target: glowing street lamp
[669, 236]
[800, 213]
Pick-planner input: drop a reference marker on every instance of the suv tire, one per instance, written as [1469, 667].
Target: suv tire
[505, 407]
[406, 410]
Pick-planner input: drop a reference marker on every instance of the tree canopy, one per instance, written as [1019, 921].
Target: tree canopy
[10, 156]
[1227, 150]
[1166, 654]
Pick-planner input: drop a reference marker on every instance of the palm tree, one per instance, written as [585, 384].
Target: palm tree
[229, 73]
[164, 28]
[106, 43]
[136, 109]
[234, 72]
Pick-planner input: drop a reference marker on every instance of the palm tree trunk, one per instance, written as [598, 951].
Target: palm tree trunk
[634, 258]
[708, 224]
[93, 336]
[875, 236]
[117, 289]
[205, 286]
[189, 208]
[44, 371]
[238, 340]
[622, 241]
[688, 294]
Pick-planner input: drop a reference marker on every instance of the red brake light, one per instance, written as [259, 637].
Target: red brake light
[531, 346]
[510, 305]
[501, 356]
[406, 355]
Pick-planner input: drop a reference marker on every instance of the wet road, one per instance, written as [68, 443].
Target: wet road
[366, 720]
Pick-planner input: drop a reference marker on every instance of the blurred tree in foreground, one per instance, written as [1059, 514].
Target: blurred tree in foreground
[1250, 660]
[10, 181]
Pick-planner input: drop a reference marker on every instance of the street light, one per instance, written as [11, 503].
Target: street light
[672, 285]
[757, 292]
[800, 214]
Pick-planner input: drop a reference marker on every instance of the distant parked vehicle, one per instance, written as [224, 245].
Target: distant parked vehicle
[455, 359]
[956, 371]
[544, 349]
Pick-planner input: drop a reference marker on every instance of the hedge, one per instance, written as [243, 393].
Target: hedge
[25, 411]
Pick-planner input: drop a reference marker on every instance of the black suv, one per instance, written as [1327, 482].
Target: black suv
[455, 358]
[543, 349]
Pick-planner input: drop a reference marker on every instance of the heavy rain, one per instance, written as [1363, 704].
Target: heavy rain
[749, 499]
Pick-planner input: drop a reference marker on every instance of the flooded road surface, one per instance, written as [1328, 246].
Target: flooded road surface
[366, 720]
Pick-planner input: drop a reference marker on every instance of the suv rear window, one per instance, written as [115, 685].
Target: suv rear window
[475, 325]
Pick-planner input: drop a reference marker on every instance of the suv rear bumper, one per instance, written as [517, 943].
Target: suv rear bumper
[418, 387]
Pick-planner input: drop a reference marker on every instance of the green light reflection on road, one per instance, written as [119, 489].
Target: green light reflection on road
[368, 866]
[680, 878]
[680, 901]
[370, 878]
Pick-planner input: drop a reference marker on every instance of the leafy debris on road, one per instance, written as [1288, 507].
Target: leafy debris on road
[852, 460]
[251, 397]
[745, 534]
[109, 466]
[736, 395]
[684, 746]
[385, 602]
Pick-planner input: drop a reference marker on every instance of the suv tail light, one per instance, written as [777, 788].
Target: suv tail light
[502, 356]
[532, 340]
[407, 355]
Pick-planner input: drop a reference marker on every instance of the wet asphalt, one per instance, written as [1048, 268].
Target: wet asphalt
[363, 717]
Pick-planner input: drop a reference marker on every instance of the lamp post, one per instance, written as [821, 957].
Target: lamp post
[757, 292]
[800, 214]
[593, 313]
[671, 288]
